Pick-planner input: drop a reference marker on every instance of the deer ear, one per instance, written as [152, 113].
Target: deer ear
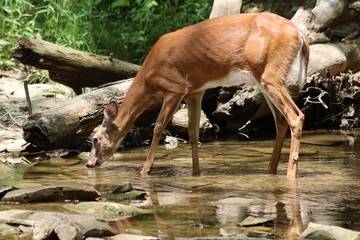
[111, 111]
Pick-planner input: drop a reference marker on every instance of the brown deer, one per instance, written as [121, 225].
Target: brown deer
[261, 49]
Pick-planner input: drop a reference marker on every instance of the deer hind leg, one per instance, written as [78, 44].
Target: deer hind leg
[281, 129]
[194, 110]
[278, 94]
[168, 108]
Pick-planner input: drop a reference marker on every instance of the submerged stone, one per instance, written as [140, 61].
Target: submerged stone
[323, 140]
[132, 237]
[269, 150]
[221, 238]
[126, 195]
[254, 221]
[51, 193]
[324, 232]
[240, 201]
[105, 210]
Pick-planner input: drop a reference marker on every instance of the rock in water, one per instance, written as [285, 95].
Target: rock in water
[254, 221]
[56, 225]
[51, 193]
[105, 210]
[132, 237]
[324, 232]
[4, 190]
[125, 187]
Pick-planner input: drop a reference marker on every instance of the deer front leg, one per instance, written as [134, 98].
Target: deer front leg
[168, 108]
[194, 111]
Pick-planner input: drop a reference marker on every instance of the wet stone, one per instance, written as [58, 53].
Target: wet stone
[54, 225]
[4, 190]
[127, 195]
[9, 230]
[50, 194]
[105, 210]
[16, 145]
[123, 188]
[324, 232]
[254, 221]
[19, 161]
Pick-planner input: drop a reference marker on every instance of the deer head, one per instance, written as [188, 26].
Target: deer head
[105, 140]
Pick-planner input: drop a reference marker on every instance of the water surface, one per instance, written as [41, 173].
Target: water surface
[326, 191]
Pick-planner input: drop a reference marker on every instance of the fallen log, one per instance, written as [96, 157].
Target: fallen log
[69, 124]
[70, 67]
[327, 14]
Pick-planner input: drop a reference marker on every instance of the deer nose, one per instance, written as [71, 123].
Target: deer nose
[89, 165]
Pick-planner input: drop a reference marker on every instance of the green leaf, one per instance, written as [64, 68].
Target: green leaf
[120, 3]
[3, 42]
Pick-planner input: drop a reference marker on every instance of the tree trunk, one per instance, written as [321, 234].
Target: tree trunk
[70, 67]
[326, 15]
[67, 126]
[225, 7]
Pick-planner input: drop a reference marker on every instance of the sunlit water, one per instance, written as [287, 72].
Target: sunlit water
[326, 191]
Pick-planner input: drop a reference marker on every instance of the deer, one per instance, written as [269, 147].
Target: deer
[261, 49]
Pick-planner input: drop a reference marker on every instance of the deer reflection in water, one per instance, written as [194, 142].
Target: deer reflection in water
[188, 214]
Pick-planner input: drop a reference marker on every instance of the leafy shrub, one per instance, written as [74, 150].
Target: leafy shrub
[126, 28]
[16, 20]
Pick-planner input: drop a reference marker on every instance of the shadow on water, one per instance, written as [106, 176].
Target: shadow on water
[234, 185]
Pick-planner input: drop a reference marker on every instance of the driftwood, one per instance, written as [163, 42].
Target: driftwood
[68, 125]
[326, 15]
[70, 67]
[332, 101]
[225, 7]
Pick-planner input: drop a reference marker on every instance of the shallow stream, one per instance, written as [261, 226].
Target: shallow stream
[327, 190]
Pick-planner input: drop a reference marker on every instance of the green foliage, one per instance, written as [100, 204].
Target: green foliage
[126, 28]
[137, 25]
[16, 20]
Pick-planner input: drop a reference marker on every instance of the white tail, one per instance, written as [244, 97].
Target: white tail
[256, 48]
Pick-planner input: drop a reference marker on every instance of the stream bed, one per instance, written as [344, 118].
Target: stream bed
[233, 185]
